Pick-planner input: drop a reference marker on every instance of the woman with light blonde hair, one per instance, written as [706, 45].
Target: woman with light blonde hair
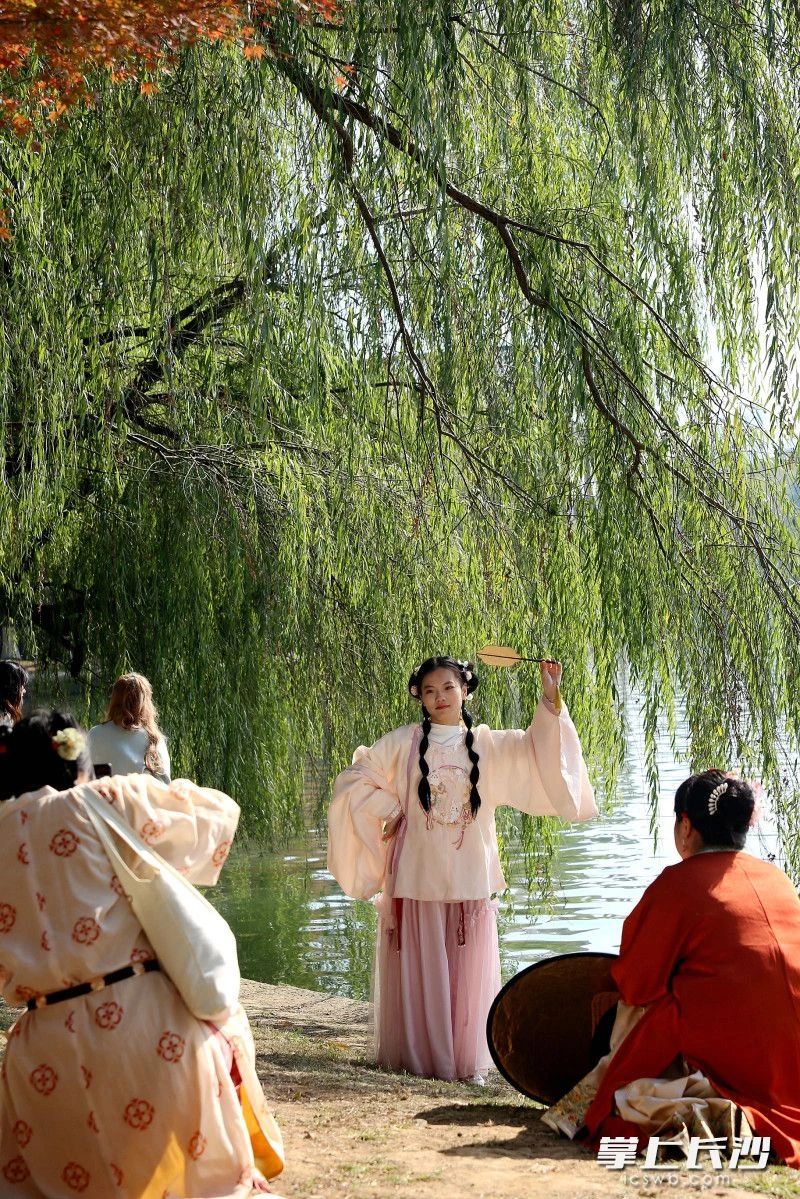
[129, 740]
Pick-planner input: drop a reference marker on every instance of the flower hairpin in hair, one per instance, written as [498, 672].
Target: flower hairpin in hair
[68, 744]
[464, 668]
[715, 796]
[413, 691]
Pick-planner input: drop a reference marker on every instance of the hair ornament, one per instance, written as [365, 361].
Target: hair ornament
[716, 796]
[68, 744]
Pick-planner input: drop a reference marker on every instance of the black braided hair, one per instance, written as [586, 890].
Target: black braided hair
[474, 757]
[424, 788]
[466, 673]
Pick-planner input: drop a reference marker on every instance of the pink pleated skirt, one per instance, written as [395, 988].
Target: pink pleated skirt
[437, 970]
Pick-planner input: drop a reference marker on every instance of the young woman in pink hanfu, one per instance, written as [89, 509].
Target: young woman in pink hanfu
[110, 1088]
[413, 818]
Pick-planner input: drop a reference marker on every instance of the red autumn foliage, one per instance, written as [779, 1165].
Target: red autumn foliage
[66, 42]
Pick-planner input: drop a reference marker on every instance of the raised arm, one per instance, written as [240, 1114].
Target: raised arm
[365, 796]
[191, 827]
[540, 770]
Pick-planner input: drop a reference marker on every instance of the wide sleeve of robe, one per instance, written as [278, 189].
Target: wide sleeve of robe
[365, 797]
[540, 770]
[191, 827]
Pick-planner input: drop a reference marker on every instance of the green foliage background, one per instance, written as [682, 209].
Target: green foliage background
[396, 341]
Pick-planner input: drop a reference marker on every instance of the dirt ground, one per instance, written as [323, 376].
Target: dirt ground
[355, 1132]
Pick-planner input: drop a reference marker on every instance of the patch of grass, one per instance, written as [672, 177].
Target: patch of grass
[779, 1181]
[8, 1015]
[386, 1171]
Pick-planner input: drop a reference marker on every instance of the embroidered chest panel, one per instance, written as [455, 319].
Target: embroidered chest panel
[450, 786]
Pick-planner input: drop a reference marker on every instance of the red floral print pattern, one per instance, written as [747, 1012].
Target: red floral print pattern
[76, 1178]
[171, 1047]
[139, 1114]
[69, 1023]
[115, 1170]
[22, 1133]
[45, 942]
[16, 1170]
[152, 830]
[197, 1146]
[108, 1015]
[23, 816]
[90, 1120]
[40, 899]
[141, 955]
[86, 930]
[116, 885]
[221, 853]
[25, 993]
[8, 917]
[86, 1075]
[43, 1079]
[22, 854]
[64, 843]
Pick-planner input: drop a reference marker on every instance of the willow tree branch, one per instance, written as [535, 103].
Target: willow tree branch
[195, 319]
[602, 407]
[332, 109]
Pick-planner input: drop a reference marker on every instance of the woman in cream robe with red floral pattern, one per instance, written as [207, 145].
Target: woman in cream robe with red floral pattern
[122, 1092]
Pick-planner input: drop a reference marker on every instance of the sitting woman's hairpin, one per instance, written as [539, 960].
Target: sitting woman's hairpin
[716, 796]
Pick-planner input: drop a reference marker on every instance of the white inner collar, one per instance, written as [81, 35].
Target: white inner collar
[444, 734]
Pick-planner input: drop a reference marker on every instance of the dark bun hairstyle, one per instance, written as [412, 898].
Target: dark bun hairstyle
[13, 678]
[470, 680]
[32, 755]
[720, 807]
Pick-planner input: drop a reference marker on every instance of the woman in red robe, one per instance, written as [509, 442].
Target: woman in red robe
[712, 950]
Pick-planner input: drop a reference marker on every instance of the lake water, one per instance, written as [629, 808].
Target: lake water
[295, 926]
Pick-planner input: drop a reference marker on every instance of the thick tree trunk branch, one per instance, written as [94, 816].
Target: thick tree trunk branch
[194, 319]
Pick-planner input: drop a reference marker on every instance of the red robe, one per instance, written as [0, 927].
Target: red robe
[713, 950]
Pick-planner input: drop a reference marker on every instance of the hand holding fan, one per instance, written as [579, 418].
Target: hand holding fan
[551, 670]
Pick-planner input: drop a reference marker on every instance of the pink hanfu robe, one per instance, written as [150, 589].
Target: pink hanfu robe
[437, 965]
[122, 1092]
